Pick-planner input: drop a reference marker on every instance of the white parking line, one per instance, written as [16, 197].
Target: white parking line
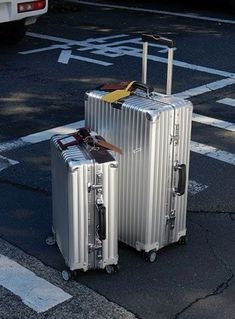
[213, 122]
[213, 152]
[6, 162]
[209, 87]
[136, 53]
[227, 101]
[35, 292]
[40, 136]
[66, 55]
[178, 14]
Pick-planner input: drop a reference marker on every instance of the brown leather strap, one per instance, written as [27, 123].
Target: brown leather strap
[103, 143]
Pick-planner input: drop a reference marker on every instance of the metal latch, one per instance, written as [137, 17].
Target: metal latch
[175, 137]
[92, 247]
[98, 186]
[171, 219]
[93, 187]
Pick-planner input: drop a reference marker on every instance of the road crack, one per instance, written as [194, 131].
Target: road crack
[222, 286]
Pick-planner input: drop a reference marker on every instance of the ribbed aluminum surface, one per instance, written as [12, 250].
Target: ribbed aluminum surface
[75, 218]
[144, 128]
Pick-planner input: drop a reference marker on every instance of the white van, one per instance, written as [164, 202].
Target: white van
[16, 15]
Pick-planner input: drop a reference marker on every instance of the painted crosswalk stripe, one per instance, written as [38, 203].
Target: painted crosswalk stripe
[6, 162]
[46, 135]
[35, 292]
[213, 152]
[195, 147]
[227, 101]
[213, 122]
[40, 136]
[209, 87]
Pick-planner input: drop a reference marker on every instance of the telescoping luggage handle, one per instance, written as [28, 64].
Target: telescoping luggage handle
[150, 37]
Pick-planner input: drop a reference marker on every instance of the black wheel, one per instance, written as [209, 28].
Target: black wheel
[116, 267]
[182, 240]
[50, 240]
[150, 256]
[66, 275]
[111, 269]
[74, 274]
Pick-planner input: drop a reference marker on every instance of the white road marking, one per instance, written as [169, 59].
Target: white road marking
[227, 101]
[186, 65]
[40, 136]
[213, 86]
[35, 292]
[195, 187]
[213, 152]
[135, 52]
[66, 55]
[51, 47]
[213, 122]
[46, 135]
[202, 149]
[178, 14]
[6, 162]
[195, 147]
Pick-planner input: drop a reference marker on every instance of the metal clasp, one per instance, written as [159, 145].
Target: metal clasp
[175, 137]
[171, 219]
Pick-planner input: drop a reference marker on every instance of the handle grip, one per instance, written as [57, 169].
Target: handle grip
[102, 222]
[158, 38]
[138, 85]
[165, 41]
[180, 190]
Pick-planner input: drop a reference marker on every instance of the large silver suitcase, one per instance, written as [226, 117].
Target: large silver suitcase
[85, 206]
[154, 132]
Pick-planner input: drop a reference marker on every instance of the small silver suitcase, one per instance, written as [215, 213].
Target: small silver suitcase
[153, 130]
[85, 206]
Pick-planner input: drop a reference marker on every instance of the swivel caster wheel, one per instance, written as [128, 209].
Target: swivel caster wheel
[182, 240]
[50, 240]
[66, 275]
[150, 256]
[111, 269]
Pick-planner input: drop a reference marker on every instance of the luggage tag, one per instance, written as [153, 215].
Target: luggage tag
[118, 94]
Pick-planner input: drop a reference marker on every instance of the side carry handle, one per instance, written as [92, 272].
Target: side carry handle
[102, 222]
[180, 190]
[170, 44]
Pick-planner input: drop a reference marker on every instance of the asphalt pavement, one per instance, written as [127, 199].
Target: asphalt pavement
[43, 81]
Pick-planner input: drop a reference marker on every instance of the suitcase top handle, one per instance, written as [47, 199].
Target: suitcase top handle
[158, 38]
[83, 136]
[170, 44]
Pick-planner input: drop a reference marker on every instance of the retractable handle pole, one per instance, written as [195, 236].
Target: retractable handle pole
[149, 37]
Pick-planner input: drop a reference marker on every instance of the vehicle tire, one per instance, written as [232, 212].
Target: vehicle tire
[12, 32]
